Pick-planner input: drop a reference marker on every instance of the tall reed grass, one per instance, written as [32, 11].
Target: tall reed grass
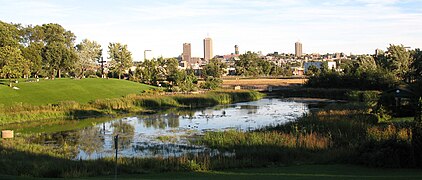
[128, 104]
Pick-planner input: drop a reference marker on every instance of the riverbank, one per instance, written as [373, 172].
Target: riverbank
[336, 134]
[141, 103]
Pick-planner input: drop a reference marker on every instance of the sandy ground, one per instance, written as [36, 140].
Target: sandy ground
[259, 82]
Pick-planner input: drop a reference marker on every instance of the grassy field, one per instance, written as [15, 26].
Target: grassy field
[81, 90]
[289, 172]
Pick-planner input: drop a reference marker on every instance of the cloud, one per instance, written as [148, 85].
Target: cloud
[269, 25]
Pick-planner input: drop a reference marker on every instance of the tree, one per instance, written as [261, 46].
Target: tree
[214, 68]
[12, 64]
[9, 35]
[417, 64]
[58, 51]
[185, 81]
[147, 71]
[211, 83]
[171, 69]
[313, 70]
[57, 57]
[33, 53]
[89, 52]
[247, 65]
[397, 60]
[121, 57]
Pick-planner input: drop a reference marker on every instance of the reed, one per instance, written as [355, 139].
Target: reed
[128, 104]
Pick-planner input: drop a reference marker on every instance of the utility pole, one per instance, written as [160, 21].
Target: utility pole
[102, 67]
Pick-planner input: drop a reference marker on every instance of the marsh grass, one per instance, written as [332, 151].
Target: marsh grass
[127, 104]
[335, 134]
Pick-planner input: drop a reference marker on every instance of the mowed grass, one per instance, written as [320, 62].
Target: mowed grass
[79, 90]
[289, 172]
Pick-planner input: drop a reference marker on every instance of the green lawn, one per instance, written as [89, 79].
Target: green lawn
[289, 172]
[79, 90]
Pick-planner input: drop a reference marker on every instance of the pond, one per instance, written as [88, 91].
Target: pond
[171, 133]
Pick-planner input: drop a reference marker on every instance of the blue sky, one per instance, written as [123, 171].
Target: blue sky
[349, 26]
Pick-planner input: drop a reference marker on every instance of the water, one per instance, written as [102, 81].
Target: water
[169, 134]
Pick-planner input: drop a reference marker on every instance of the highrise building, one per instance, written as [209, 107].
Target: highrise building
[187, 53]
[148, 55]
[298, 49]
[236, 49]
[207, 49]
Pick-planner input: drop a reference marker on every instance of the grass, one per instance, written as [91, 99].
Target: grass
[150, 101]
[402, 119]
[344, 133]
[78, 90]
[287, 172]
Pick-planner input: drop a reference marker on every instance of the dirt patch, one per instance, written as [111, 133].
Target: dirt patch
[260, 82]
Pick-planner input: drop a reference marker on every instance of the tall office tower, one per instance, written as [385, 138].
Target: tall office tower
[236, 49]
[148, 55]
[186, 55]
[298, 49]
[207, 49]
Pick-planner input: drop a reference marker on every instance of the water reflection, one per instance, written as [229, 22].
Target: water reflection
[168, 134]
[125, 131]
[91, 140]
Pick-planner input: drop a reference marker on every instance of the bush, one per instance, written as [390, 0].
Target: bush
[391, 153]
[211, 83]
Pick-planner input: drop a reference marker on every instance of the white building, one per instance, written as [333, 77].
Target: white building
[318, 64]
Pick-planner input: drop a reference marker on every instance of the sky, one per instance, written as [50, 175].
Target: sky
[322, 26]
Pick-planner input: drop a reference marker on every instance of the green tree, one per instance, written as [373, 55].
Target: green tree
[33, 53]
[9, 35]
[211, 83]
[89, 52]
[147, 71]
[247, 65]
[59, 53]
[121, 58]
[313, 70]
[57, 57]
[214, 68]
[397, 60]
[171, 69]
[417, 64]
[184, 81]
[12, 64]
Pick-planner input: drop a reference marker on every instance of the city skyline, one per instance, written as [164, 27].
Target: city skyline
[347, 26]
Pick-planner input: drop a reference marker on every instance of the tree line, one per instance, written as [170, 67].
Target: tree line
[49, 51]
[385, 70]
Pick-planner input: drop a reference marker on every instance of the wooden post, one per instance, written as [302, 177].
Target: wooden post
[116, 146]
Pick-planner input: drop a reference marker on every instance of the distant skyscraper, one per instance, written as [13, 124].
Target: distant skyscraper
[236, 49]
[207, 49]
[298, 49]
[148, 55]
[187, 55]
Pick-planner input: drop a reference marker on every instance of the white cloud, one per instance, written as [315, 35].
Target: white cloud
[357, 26]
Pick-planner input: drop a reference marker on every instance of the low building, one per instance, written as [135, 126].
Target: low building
[319, 64]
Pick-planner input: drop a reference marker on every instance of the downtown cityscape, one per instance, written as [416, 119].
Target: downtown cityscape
[221, 89]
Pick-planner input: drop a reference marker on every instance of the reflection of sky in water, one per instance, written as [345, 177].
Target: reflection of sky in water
[144, 141]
